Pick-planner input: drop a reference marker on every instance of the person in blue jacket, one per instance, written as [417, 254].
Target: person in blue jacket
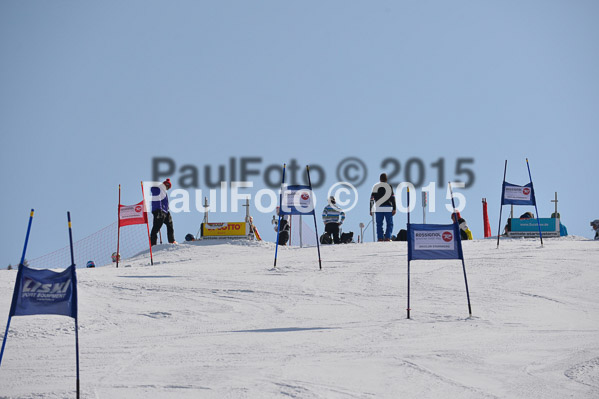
[563, 230]
[161, 212]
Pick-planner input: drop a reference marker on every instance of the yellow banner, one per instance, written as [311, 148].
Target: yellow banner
[223, 229]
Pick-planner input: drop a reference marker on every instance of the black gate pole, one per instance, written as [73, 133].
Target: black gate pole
[501, 202]
[459, 237]
[314, 213]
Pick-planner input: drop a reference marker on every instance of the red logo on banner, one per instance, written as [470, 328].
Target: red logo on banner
[305, 196]
[526, 191]
[132, 214]
[447, 236]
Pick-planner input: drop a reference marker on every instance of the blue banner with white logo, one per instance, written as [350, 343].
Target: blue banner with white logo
[547, 225]
[45, 292]
[513, 194]
[434, 241]
[297, 200]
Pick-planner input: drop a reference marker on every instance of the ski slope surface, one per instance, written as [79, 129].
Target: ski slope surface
[217, 321]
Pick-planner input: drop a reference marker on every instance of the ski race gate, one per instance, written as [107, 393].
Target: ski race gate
[513, 194]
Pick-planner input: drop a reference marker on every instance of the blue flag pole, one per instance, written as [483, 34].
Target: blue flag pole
[73, 267]
[501, 202]
[535, 199]
[409, 243]
[314, 213]
[17, 281]
[279, 222]
[27, 237]
[459, 240]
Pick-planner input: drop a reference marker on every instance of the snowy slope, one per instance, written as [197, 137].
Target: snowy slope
[215, 321]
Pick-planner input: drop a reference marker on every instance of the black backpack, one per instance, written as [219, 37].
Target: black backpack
[326, 239]
[347, 238]
[402, 235]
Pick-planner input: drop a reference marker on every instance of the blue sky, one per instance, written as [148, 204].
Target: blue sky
[91, 92]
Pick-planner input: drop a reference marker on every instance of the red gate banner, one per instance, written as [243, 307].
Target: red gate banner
[132, 214]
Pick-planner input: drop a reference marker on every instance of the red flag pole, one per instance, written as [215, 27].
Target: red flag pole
[143, 197]
[486, 224]
[118, 234]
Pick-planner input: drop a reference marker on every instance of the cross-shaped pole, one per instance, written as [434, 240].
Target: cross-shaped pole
[248, 219]
[555, 200]
[206, 209]
[556, 214]
[247, 209]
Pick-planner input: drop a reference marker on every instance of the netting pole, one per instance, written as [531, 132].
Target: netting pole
[118, 234]
[143, 197]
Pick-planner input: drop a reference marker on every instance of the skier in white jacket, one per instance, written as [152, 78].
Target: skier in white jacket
[333, 218]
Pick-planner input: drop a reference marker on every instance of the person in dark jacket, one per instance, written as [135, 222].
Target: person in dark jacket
[465, 232]
[161, 212]
[595, 226]
[285, 230]
[527, 215]
[382, 203]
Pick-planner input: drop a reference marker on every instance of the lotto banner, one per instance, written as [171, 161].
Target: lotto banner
[517, 195]
[132, 214]
[45, 292]
[223, 229]
[434, 241]
[297, 200]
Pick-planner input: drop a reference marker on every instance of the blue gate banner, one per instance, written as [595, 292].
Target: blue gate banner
[45, 292]
[297, 200]
[513, 194]
[434, 241]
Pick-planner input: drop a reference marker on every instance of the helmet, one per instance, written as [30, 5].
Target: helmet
[91, 264]
[114, 256]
